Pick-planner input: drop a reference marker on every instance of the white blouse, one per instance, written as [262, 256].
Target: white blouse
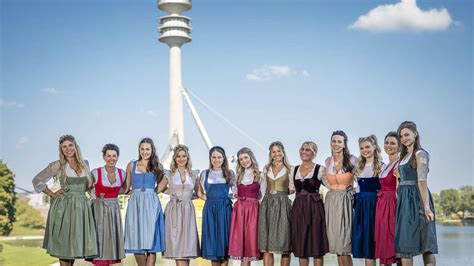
[105, 177]
[175, 178]
[321, 176]
[422, 163]
[248, 179]
[367, 172]
[272, 176]
[41, 180]
[387, 167]
[216, 177]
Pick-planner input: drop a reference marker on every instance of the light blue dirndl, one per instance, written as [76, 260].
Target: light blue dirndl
[144, 221]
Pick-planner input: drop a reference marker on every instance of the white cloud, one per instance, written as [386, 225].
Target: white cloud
[403, 16]
[10, 104]
[52, 91]
[149, 112]
[268, 72]
[305, 73]
[21, 142]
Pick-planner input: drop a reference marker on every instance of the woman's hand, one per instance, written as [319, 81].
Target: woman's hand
[429, 214]
[57, 193]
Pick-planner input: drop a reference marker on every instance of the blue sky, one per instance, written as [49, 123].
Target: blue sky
[280, 70]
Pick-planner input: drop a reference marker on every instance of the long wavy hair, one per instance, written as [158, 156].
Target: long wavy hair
[77, 158]
[416, 146]
[154, 166]
[280, 146]
[377, 164]
[241, 170]
[347, 166]
[174, 166]
[225, 164]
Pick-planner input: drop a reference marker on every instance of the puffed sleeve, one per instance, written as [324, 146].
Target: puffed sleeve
[195, 178]
[166, 174]
[202, 180]
[422, 164]
[354, 161]
[124, 175]
[40, 181]
[233, 183]
[95, 175]
[322, 175]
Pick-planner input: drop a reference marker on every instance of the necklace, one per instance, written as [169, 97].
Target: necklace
[304, 171]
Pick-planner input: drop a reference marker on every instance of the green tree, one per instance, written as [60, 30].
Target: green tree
[28, 216]
[449, 201]
[467, 199]
[7, 199]
[438, 209]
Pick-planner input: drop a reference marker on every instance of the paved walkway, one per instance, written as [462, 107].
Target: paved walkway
[12, 238]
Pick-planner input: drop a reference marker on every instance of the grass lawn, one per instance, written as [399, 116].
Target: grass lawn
[24, 255]
[19, 230]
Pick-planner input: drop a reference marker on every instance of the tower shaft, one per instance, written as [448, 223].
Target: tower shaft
[176, 124]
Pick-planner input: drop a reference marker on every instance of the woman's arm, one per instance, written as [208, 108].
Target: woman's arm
[322, 176]
[291, 184]
[200, 192]
[263, 186]
[162, 186]
[90, 181]
[40, 181]
[422, 169]
[233, 184]
[128, 179]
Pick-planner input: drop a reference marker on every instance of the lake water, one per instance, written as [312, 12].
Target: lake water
[455, 248]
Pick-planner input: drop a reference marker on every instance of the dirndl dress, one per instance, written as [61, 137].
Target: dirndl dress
[363, 226]
[308, 230]
[274, 234]
[243, 239]
[144, 221]
[385, 219]
[216, 221]
[182, 241]
[414, 234]
[108, 220]
[338, 206]
[70, 229]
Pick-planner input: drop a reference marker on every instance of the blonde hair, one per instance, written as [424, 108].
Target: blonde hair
[312, 146]
[377, 165]
[77, 157]
[241, 170]
[174, 165]
[280, 146]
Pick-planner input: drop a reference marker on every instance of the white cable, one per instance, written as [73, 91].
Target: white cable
[226, 120]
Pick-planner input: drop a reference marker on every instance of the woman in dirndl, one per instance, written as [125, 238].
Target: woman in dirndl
[106, 208]
[274, 233]
[339, 199]
[243, 238]
[216, 184]
[70, 229]
[415, 226]
[182, 242]
[144, 220]
[308, 223]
